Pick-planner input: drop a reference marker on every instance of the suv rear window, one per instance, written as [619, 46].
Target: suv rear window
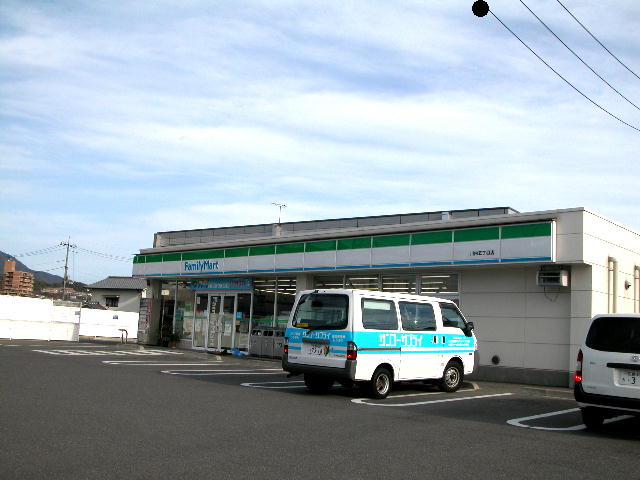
[615, 334]
[322, 312]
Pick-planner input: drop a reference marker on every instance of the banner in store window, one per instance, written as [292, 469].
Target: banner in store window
[221, 283]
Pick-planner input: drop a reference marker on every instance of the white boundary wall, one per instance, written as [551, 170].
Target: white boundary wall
[39, 319]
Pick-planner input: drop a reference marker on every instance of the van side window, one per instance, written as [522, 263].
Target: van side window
[379, 314]
[417, 316]
[451, 316]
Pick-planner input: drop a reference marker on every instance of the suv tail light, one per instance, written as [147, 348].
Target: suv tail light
[352, 351]
[578, 376]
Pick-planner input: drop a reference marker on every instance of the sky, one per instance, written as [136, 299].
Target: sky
[122, 119]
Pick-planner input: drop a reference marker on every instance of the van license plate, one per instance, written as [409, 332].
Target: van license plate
[315, 349]
[630, 377]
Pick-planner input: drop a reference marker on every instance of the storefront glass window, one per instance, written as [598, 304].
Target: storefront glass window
[264, 297]
[364, 282]
[285, 299]
[333, 281]
[440, 283]
[183, 321]
[399, 283]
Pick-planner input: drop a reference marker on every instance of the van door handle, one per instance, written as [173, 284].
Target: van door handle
[444, 340]
[435, 339]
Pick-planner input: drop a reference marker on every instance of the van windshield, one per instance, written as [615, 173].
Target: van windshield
[615, 334]
[322, 312]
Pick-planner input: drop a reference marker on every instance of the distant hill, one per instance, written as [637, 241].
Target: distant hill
[43, 277]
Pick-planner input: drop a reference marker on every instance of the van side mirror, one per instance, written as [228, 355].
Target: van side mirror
[468, 328]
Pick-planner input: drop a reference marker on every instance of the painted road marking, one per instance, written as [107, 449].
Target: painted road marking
[364, 401]
[264, 371]
[66, 352]
[282, 384]
[519, 422]
[80, 345]
[150, 363]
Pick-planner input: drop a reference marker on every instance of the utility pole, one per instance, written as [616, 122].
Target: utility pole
[66, 262]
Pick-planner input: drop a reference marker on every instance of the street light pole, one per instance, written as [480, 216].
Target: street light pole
[280, 206]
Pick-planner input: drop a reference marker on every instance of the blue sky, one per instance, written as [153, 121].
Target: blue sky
[121, 119]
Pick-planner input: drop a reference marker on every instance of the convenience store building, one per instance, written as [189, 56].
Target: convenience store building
[530, 281]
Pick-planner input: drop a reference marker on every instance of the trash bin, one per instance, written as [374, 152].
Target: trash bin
[278, 343]
[267, 343]
[256, 342]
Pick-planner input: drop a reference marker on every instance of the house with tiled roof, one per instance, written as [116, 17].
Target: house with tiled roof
[119, 293]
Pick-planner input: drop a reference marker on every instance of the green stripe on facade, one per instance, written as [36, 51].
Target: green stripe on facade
[153, 258]
[320, 246]
[203, 255]
[421, 238]
[353, 243]
[521, 231]
[262, 250]
[428, 238]
[391, 241]
[290, 248]
[236, 252]
[476, 234]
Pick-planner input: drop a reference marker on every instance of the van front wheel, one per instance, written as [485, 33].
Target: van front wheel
[381, 382]
[451, 377]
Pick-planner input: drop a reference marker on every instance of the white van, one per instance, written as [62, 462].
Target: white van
[376, 338]
[607, 378]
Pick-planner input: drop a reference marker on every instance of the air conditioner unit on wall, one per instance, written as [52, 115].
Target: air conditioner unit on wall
[552, 278]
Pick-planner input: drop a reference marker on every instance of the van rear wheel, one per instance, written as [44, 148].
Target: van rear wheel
[592, 417]
[318, 383]
[451, 377]
[380, 384]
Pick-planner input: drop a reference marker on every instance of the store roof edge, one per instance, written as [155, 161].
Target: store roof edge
[372, 230]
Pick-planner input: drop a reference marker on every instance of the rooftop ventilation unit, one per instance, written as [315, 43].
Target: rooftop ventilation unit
[552, 278]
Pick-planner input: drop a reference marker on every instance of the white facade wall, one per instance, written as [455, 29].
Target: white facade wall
[525, 326]
[540, 329]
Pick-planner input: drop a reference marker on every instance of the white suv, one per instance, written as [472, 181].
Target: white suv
[607, 378]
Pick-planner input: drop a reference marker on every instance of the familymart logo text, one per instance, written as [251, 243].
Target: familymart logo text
[201, 266]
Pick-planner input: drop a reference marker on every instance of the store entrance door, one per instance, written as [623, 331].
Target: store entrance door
[222, 312]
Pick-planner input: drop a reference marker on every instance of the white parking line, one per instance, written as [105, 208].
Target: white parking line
[265, 371]
[143, 353]
[143, 363]
[364, 401]
[198, 373]
[519, 422]
[285, 384]
[80, 345]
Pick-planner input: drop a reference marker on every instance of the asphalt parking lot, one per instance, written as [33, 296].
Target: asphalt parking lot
[93, 410]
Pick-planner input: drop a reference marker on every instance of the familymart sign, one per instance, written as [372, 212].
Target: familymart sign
[521, 243]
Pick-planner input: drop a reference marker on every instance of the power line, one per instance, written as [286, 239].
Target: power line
[52, 269]
[105, 255]
[594, 37]
[560, 75]
[42, 251]
[578, 56]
